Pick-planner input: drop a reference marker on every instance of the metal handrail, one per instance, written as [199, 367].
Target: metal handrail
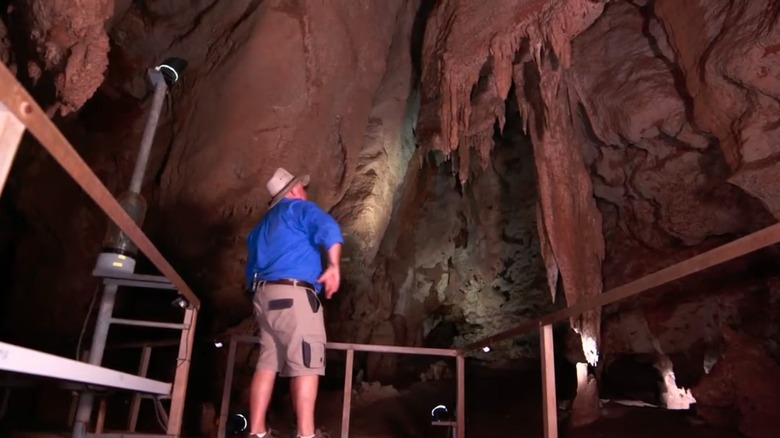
[460, 418]
[739, 247]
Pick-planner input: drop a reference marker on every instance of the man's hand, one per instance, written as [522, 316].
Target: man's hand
[330, 279]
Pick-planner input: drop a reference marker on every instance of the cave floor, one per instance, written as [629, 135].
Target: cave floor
[499, 404]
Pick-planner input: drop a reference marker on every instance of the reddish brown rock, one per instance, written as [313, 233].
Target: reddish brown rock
[744, 385]
[71, 43]
[471, 57]
[728, 54]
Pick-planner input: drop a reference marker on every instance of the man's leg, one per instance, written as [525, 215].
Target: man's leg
[259, 398]
[304, 394]
[262, 385]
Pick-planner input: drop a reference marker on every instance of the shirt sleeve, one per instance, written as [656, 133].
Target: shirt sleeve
[251, 259]
[321, 227]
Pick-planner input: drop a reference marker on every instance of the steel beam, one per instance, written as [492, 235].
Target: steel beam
[371, 348]
[23, 360]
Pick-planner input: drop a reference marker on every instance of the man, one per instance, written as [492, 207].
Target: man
[284, 269]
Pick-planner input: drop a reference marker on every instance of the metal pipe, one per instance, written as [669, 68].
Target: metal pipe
[84, 410]
[225, 406]
[160, 87]
[347, 402]
[153, 324]
[460, 416]
[549, 405]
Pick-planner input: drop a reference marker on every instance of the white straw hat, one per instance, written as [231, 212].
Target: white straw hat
[281, 183]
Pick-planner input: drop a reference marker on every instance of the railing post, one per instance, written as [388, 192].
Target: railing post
[225, 406]
[347, 394]
[549, 406]
[102, 324]
[135, 405]
[460, 365]
[4, 403]
[184, 358]
[101, 417]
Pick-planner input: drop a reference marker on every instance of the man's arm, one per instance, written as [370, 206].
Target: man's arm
[331, 278]
[325, 232]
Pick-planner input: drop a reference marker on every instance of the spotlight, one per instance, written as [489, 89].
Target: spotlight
[171, 69]
[218, 344]
[237, 424]
[440, 413]
[486, 349]
[180, 303]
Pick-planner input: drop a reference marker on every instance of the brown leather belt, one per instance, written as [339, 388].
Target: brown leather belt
[288, 282]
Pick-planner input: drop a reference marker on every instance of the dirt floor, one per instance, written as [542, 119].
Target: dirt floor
[499, 404]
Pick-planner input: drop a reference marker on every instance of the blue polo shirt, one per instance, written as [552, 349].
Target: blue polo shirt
[286, 243]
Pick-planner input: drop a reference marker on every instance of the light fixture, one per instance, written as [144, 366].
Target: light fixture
[237, 424]
[118, 251]
[440, 413]
[171, 69]
[180, 302]
[218, 344]
[486, 349]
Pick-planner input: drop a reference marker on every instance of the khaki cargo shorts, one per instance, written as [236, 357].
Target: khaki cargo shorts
[292, 330]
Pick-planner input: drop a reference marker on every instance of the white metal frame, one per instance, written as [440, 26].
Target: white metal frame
[26, 361]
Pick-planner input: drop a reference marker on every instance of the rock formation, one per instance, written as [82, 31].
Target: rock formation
[488, 163]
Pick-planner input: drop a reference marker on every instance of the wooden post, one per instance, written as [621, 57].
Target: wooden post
[101, 417]
[135, 405]
[346, 408]
[549, 406]
[179, 390]
[225, 406]
[4, 403]
[11, 130]
[460, 365]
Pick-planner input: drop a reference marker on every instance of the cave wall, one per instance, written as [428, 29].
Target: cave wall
[473, 57]
[57, 229]
[457, 263]
[631, 113]
[297, 94]
[644, 133]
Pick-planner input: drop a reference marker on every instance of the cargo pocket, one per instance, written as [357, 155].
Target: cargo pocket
[313, 354]
[282, 303]
[314, 302]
